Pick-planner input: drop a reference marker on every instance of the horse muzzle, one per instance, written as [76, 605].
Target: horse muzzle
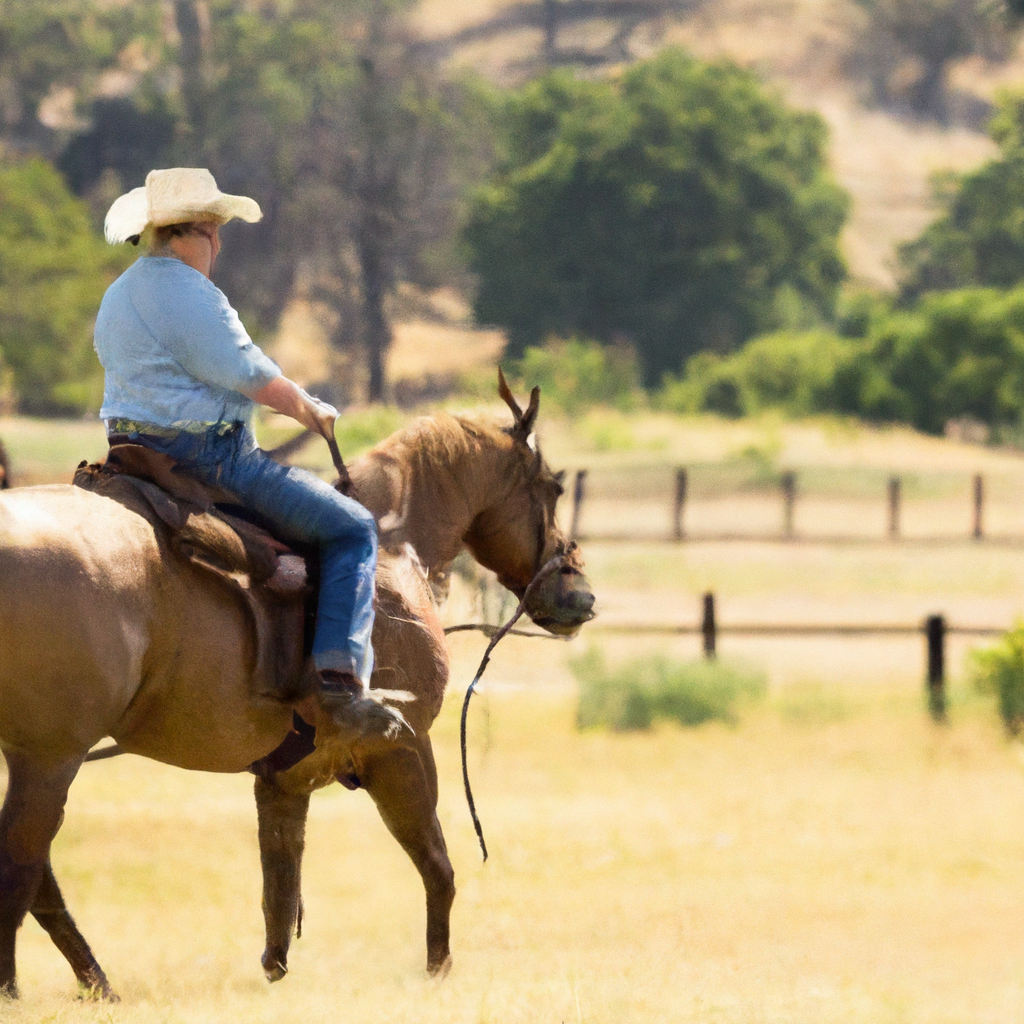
[562, 602]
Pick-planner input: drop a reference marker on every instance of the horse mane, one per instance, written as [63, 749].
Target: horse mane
[441, 437]
[417, 485]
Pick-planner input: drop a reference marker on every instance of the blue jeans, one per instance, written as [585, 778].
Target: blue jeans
[305, 509]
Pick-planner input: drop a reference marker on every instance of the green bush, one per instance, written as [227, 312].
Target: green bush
[637, 693]
[575, 375]
[952, 355]
[999, 670]
[799, 372]
[360, 430]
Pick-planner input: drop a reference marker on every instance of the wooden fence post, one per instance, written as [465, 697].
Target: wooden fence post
[707, 626]
[578, 493]
[894, 508]
[979, 501]
[788, 500]
[679, 504]
[935, 633]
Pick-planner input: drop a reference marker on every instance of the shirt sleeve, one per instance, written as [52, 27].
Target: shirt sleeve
[199, 328]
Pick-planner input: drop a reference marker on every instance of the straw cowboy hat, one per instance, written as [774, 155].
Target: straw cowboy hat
[174, 196]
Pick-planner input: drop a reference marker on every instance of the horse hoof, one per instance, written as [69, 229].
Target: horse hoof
[97, 994]
[440, 970]
[274, 970]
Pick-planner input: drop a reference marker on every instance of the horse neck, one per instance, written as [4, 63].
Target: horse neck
[427, 484]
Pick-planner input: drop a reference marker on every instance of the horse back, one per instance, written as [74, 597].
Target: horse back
[107, 633]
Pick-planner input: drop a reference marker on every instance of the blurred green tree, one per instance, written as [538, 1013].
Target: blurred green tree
[52, 53]
[680, 208]
[978, 238]
[53, 271]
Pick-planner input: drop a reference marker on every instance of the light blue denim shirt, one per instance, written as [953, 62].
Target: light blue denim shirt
[174, 352]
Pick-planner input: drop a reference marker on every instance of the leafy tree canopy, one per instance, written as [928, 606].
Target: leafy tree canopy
[53, 271]
[680, 208]
[978, 239]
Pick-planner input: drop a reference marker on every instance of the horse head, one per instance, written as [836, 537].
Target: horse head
[517, 535]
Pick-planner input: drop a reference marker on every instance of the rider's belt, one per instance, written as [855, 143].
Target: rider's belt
[124, 431]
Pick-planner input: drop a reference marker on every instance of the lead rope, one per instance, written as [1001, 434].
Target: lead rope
[546, 570]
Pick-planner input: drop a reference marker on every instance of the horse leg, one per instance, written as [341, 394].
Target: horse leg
[282, 832]
[49, 909]
[29, 819]
[403, 784]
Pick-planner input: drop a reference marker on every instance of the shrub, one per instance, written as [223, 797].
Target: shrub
[999, 670]
[799, 372]
[635, 694]
[575, 375]
[952, 355]
[362, 429]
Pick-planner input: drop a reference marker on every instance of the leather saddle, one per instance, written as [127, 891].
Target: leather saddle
[204, 523]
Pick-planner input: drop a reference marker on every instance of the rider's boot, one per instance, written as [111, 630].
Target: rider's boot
[354, 707]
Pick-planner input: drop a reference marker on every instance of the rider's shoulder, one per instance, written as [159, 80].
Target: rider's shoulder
[165, 273]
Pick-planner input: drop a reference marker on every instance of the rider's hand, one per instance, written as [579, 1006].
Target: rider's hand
[321, 415]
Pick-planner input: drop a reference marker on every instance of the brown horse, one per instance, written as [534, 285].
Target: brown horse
[94, 607]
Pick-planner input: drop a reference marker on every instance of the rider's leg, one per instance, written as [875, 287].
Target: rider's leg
[305, 508]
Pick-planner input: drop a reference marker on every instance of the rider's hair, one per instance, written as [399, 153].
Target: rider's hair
[161, 236]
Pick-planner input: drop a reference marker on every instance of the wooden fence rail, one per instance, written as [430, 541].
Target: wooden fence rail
[935, 630]
[788, 484]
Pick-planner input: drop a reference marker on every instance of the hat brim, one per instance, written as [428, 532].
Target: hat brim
[129, 216]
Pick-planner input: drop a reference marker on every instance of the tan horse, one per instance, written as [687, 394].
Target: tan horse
[94, 615]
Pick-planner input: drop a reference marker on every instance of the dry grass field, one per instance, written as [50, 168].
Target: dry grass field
[833, 857]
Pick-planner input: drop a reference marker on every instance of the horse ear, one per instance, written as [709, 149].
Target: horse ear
[530, 416]
[509, 399]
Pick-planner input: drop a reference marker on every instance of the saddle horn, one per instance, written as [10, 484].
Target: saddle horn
[524, 421]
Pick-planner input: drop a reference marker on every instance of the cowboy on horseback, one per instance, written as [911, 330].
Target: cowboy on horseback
[182, 377]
